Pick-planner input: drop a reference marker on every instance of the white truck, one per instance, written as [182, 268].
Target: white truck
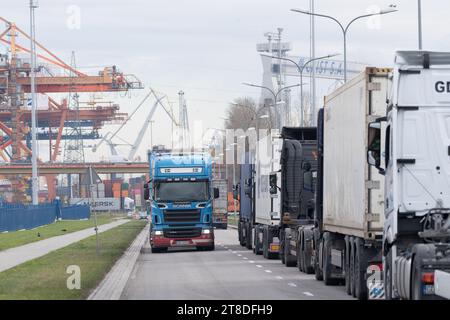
[411, 147]
[220, 204]
[348, 231]
[267, 204]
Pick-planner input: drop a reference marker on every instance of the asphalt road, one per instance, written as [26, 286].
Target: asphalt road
[229, 272]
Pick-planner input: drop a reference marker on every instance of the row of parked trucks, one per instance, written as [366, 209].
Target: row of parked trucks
[363, 199]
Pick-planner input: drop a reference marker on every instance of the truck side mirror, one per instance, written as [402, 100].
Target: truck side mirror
[273, 183]
[374, 146]
[216, 193]
[236, 192]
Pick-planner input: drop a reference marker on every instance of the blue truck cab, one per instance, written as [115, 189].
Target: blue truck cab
[180, 197]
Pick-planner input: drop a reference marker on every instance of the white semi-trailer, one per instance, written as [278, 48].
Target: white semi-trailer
[349, 195]
[411, 146]
[267, 204]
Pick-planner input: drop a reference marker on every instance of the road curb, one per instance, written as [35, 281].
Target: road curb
[114, 283]
[232, 226]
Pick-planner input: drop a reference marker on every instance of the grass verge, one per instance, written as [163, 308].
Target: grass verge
[19, 238]
[46, 277]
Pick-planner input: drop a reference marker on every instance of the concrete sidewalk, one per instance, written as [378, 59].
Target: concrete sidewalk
[114, 283]
[12, 257]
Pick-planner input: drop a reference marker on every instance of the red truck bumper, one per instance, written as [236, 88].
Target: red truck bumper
[205, 240]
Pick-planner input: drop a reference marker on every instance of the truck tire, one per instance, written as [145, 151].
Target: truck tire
[327, 245]
[282, 244]
[240, 233]
[307, 251]
[317, 268]
[387, 276]
[257, 249]
[300, 255]
[347, 266]
[360, 270]
[265, 249]
[352, 267]
[249, 240]
[290, 260]
[155, 250]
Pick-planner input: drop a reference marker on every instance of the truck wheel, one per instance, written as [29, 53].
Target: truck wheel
[307, 251]
[257, 249]
[248, 242]
[282, 245]
[327, 244]
[155, 250]
[240, 233]
[360, 270]
[290, 260]
[265, 249]
[347, 266]
[352, 267]
[317, 268]
[388, 276]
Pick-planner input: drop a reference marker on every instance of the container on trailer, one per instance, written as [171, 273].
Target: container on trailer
[353, 195]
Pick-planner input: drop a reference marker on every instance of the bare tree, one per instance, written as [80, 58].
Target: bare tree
[243, 113]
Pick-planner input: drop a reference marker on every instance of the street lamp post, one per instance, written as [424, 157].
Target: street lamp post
[275, 97]
[300, 71]
[345, 28]
[419, 24]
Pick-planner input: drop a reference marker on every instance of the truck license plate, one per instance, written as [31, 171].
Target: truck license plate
[182, 243]
[428, 289]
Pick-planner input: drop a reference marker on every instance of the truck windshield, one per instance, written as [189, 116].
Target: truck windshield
[182, 191]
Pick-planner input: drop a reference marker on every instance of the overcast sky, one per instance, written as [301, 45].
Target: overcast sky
[207, 47]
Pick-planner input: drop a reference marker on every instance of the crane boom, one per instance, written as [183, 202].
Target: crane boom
[141, 134]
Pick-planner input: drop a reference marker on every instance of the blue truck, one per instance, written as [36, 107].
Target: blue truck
[180, 196]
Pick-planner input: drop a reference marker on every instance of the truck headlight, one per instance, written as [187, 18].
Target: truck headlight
[206, 231]
[158, 233]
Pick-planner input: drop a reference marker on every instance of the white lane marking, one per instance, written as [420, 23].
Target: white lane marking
[245, 258]
[251, 261]
[306, 293]
[259, 266]
[279, 277]
[234, 251]
[291, 284]
[239, 255]
[227, 248]
[268, 271]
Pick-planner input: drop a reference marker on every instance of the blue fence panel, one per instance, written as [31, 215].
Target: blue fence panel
[75, 212]
[17, 216]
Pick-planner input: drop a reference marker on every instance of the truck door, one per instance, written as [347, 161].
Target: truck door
[423, 158]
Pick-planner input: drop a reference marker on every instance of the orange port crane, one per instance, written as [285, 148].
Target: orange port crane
[15, 82]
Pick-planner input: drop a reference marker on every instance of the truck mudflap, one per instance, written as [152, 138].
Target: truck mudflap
[200, 241]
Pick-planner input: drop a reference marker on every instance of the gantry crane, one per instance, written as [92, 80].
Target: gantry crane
[15, 82]
[135, 146]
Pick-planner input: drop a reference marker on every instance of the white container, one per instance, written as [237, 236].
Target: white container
[220, 205]
[353, 199]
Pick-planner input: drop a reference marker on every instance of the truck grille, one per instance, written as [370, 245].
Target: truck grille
[182, 216]
[182, 233]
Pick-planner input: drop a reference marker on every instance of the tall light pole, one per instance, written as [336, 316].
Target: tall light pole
[34, 154]
[419, 24]
[300, 71]
[345, 28]
[275, 97]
